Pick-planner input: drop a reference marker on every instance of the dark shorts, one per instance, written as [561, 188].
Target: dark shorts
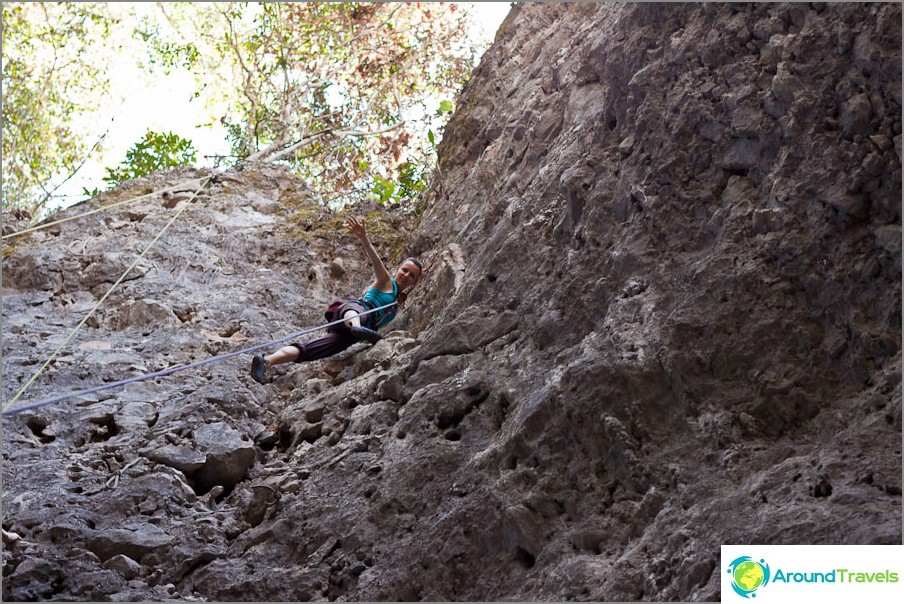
[337, 338]
[325, 346]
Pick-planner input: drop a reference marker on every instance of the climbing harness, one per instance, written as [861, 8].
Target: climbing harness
[164, 372]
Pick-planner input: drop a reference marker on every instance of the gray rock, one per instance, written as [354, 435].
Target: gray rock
[228, 454]
[185, 459]
[124, 565]
[145, 313]
[848, 203]
[134, 541]
[263, 204]
[742, 154]
[785, 85]
[855, 116]
[136, 416]
[888, 237]
[612, 351]
[337, 268]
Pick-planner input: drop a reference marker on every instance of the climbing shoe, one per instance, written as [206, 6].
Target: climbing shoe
[363, 334]
[258, 368]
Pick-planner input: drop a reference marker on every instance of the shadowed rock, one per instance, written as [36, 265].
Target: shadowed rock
[663, 314]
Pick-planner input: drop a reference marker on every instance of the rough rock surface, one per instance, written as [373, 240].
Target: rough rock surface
[664, 313]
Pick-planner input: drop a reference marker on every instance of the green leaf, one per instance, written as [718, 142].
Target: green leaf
[155, 151]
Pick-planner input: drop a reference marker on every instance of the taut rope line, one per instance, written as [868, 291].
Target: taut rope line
[163, 372]
[105, 296]
[100, 209]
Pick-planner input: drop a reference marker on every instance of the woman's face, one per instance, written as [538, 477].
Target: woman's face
[407, 274]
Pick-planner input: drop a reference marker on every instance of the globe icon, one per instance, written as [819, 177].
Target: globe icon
[748, 575]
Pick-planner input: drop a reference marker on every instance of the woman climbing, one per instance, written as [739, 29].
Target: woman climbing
[358, 326]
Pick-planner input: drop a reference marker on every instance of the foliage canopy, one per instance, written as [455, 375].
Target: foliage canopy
[352, 95]
[49, 81]
[155, 151]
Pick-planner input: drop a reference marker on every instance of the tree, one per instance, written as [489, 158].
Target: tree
[344, 92]
[50, 79]
[155, 151]
[352, 95]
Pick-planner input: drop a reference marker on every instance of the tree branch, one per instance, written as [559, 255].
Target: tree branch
[249, 127]
[48, 195]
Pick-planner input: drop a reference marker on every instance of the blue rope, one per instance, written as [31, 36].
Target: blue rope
[164, 372]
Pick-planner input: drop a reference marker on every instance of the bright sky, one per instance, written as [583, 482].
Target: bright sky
[166, 105]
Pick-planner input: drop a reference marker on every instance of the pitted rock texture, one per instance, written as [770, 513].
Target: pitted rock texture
[662, 314]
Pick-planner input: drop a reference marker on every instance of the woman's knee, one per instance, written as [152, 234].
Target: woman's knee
[291, 352]
[352, 318]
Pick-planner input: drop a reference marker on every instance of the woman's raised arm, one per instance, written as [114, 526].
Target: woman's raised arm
[383, 281]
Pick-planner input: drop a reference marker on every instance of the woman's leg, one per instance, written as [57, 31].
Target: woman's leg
[324, 346]
[328, 345]
[260, 364]
[332, 342]
[286, 354]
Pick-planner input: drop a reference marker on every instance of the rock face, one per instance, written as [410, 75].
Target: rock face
[663, 314]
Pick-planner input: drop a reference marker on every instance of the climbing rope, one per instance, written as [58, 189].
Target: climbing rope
[105, 296]
[101, 209]
[164, 372]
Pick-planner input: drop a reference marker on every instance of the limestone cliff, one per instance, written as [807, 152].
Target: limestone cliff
[663, 314]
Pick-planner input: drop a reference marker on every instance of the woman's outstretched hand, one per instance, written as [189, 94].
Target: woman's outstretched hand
[383, 281]
[356, 227]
